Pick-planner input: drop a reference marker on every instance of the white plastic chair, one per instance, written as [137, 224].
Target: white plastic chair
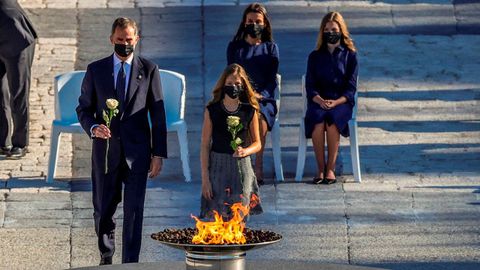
[275, 135]
[67, 90]
[302, 141]
[173, 85]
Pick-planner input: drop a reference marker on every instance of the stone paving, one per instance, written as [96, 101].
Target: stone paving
[419, 134]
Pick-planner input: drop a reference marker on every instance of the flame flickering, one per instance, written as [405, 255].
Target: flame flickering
[218, 231]
[219, 244]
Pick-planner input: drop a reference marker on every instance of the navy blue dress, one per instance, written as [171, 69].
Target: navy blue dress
[261, 64]
[331, 76]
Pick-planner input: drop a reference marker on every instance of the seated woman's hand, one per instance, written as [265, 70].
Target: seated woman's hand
[330, 103]
[241, 152]
[322, 102]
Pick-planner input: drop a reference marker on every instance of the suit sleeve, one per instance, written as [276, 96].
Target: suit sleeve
[87, 103]
[269, 91]
[351, 75]
[157, 115]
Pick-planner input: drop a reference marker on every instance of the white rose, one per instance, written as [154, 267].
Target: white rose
[233, 121]
[112, 103]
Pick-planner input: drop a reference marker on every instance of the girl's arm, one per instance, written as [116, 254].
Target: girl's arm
[204, 155]
[255, 146]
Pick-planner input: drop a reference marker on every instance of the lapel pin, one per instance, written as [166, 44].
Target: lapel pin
[139, 77]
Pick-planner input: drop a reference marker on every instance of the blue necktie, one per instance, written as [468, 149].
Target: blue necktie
[121, 86]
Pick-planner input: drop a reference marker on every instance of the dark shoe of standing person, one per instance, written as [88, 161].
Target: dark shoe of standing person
[260, 181]
[106, 261]
[17, 153]
[4, 150]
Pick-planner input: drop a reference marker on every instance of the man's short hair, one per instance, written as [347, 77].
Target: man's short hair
[124, 22]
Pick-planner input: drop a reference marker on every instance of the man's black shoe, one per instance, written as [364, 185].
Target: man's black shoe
[4, 151]
[17, 153]
[106, 260]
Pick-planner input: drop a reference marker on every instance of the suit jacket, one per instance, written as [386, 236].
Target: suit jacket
[130, 130]
[16, 30]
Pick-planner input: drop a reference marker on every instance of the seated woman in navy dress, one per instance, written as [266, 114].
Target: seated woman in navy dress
[227, 174]
[331, 83]
[253, 48]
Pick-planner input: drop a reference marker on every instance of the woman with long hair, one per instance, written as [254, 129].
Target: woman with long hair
[331, 83]
[227, 173]
[253, 48]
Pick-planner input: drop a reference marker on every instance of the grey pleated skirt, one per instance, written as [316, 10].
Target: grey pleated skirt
[233, 180]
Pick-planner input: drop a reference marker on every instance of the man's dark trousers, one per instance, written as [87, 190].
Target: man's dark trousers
[105, 203]
[15, 72]
[17, 46]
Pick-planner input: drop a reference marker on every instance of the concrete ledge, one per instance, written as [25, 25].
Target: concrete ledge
[264, 264]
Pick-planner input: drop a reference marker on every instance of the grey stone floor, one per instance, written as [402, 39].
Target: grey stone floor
[419, 133]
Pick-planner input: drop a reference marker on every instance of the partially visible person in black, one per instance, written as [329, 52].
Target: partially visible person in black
[17, 46]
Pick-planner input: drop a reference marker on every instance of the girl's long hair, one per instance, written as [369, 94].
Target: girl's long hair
[335, 16]
[247, 96]
[255, 8]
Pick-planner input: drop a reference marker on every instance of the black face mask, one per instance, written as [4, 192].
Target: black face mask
[332, 37]
[124, 50]
[233, 91]
[254, 30]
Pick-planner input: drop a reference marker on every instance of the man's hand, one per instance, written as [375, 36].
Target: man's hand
[155, 166]
[258, 96]
[101, 131]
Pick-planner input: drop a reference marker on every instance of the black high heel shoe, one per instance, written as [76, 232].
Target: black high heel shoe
[330, 181]
[318, 180]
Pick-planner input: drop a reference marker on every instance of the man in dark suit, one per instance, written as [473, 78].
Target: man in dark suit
[135, 149]
[17, 46]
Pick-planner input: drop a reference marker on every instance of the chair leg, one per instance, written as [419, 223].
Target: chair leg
[52, 160]
[277, 151]
[302, 149]
[354, 151]
[183, 141]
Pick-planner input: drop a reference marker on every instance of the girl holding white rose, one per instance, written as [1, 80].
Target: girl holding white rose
[227, 173]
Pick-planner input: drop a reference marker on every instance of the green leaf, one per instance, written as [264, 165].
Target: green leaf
[105, 117]
[233, 145]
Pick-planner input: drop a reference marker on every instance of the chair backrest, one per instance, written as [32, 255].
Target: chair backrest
[173, 86]
[278, 93]
[67, 90]
[304, 97]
